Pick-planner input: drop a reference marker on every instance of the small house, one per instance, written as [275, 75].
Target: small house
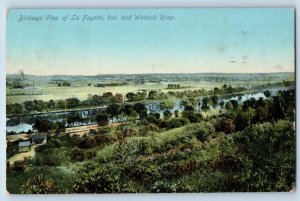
[39, 138]
[24, 146]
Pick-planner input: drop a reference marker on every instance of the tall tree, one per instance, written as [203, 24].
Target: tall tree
[205, 104]
[130, 97]
[113, 110]
[102, 119]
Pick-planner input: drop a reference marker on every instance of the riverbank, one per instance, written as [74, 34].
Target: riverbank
[80, 130]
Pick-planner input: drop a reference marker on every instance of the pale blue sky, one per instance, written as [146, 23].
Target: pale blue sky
[198, 40]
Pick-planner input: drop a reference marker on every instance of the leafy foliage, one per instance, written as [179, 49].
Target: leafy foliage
[38, 185]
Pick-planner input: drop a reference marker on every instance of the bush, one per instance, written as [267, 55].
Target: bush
[55, 143]
[38, 185]
[18, 166]
[87, 143]
[162, 123]
[50, 160]
[144, 130]
[103, 139]
[143, 173]
[90, 154]
[42, 148]
[201, 130]
[99, 181]
[174, 123]
[103, 130]
[225, 125]
[77, 155]
[192, 117]
[184, 121]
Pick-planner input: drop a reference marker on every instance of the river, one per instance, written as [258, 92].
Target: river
[19, 124]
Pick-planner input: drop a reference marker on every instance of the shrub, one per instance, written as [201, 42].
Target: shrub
[42, 148]
[103, 130]
[55, 143]
[104, 139]
[225, 125]
[38, 185]
[184, 166]
[50, 160]
[90, 154]
[192, 117]
[143, 173]
[144, 130]
[87, 143]
[18, 166]
[174, 123]
[77, 155]
[99, 181]
[162, 123]
[184, 121]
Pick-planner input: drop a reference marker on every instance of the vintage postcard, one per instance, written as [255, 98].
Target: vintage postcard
[150, 100]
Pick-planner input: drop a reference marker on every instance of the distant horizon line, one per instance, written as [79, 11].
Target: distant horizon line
[106, 74]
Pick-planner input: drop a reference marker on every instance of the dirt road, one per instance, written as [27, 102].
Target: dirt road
[21, 156]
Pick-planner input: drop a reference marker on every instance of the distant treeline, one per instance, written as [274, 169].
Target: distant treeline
[16, 85]
[173, 86]
[284, 83]
[112, 84]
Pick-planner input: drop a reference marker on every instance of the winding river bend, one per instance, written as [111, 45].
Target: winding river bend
[24, 123]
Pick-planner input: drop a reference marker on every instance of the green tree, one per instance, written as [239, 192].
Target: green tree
[206, 104]
[267, 93]
[61, 104]
[176, 113]
[214, 100]
[44, 125]
[166, 104]
[113, 110]
[222, 104]
[15, 108]
[174, 123]
[119, 98]
[73, 118]
[51, 105]
[130, 97]
[28, 106]
[152, 95]
[39, 105]
[102, 119]
[72, 103]
[60, 127]
[226, 125]
[167, 114]
[141, 109]
[228, 106]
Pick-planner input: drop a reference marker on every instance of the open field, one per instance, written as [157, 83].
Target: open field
[44, 89]
[47, 93]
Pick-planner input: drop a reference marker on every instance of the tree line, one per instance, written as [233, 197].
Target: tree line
[108, 98]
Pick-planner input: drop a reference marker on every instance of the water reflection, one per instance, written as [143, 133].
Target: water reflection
[24, 123]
